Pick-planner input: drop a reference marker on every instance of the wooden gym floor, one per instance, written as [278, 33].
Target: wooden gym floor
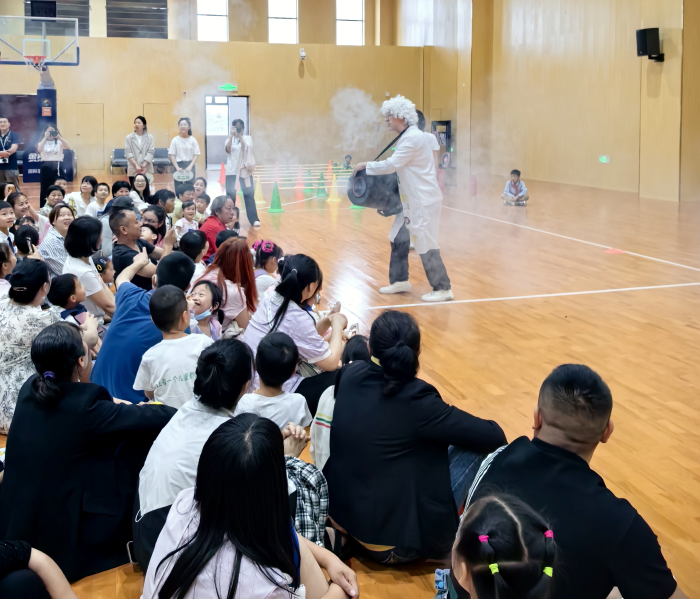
[535, 287]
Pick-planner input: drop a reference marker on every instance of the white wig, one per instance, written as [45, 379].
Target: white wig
[400, 108]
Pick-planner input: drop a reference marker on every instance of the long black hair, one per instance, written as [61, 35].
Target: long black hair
[507, 548]
[395, 341]
[143, 120]
[55, 353]
[160, 215]
[241, 495]
[189, 123]
[146, 197]
[299, 272]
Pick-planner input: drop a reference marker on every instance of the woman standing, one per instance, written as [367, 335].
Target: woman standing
[83, 239]
[222, 212]
[74, 456]
[139, 148]
[239, 166]
[52, 248]
[184, 149]
[51, 149]
[21, 320]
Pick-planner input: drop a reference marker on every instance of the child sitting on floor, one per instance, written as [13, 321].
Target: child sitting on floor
[515, 193]
[105, 269]
[202, 204]
[267, 256]
[26, 241]
[206, 315]
[276, 362]
[195, 245]
[185, 193]
[149, 234]
[67, 292]
[357, 348]
[54, 195]
[167, 370]
[187, 222]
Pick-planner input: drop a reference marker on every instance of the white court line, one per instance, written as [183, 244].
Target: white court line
[525, 297]
[498, 220]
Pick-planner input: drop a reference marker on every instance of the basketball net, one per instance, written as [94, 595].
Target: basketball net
[34, 63]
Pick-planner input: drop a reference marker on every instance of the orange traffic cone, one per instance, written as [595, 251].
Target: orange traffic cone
[329, 174]
[222, 178]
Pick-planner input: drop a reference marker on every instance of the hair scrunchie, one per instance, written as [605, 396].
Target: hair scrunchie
[49, 375]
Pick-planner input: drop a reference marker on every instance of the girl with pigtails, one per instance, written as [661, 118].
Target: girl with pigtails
[267, 256]
[504, 550]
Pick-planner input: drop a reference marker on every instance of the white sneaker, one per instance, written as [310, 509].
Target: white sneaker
[256, 223]
[438, 296]
[398, 287]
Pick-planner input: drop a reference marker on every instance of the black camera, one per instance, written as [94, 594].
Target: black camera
[239, 129]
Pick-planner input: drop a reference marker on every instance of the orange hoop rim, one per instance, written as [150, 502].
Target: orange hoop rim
[34, 59]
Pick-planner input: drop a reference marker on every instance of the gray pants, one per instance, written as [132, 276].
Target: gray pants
[10, 176]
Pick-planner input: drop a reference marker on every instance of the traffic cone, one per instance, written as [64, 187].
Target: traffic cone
[333, 197]
[259, 199]
[300, 180]
[329, 173]
[321, 190]
[275, 203]
[277, 173]
[222, 178]
[309, 183]
[356, 207]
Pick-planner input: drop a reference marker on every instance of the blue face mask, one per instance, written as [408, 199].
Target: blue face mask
[202, 316]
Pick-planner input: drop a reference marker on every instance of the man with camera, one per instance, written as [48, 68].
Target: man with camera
[239, 165]
[9, 142]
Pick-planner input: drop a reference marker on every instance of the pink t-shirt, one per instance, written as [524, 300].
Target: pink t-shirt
[235, 297]
[297, 323]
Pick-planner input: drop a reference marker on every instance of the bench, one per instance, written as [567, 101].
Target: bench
[118, 160]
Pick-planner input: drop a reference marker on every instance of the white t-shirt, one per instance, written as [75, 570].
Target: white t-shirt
[283, 409]
[139, 204]
[168, 369]
[90, 279]
[297, 323]
[199, 269]
[263, 282]
[95, 210]
[53, 151]
[43, 226]
[184, 148]
[186, 226]
[80, 206]
[233, 155]
[138, 139]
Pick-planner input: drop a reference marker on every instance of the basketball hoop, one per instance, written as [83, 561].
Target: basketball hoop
[34, 63]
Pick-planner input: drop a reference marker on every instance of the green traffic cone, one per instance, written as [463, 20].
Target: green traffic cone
[321, 191]
[309, 183]
[355, 207]
[275, 204]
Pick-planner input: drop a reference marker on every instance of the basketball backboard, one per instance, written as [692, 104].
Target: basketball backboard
[56, 39]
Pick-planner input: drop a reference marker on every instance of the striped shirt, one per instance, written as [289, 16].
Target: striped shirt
[53, 252]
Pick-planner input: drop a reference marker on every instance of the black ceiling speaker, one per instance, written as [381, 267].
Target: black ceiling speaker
[648, 44]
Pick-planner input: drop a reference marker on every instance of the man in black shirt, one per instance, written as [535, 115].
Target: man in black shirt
[127, 228]
[602, 542]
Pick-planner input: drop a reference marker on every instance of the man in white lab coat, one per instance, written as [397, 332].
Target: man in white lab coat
[414, 163]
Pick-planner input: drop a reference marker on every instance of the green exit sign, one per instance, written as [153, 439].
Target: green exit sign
[604, 159]
[228, 87]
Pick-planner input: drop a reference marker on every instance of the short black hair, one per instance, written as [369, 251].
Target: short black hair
[62, 287]
[151, 227]
[234, 121]
[103, 184]
[51, 188]
[56, 210]
[116, 220]
[92, 181]
[175, 269]
[5, 205]
[348, 156]
[162, 195]
[166, 305]
[187, 204]
[515, 171]
[206, 198]
[60, 178]
[222, 236]
[24, 234]
[276, 359]
[183, 188]
[192, 243]
[83, 237]
[575, 400]
[117, 185]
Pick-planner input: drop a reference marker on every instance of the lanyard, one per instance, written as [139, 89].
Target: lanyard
[3, 141]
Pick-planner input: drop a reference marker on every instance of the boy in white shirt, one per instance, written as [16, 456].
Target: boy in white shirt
[167, 370]
[515, 193]
[276, 361]
[96, 208]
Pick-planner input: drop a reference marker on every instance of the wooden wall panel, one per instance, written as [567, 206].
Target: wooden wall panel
[291, 117]
[462, 130]
[481, 89]
[89, 137]
[566, 83]
[690, 118]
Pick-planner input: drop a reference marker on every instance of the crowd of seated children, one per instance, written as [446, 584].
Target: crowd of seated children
[167, 370]
[267, 257]
[194, 244]
[515, 193]
[275, 363]
[206, 315]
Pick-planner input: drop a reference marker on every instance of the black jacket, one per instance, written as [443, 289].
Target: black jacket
[388, 472]
[71, 473]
